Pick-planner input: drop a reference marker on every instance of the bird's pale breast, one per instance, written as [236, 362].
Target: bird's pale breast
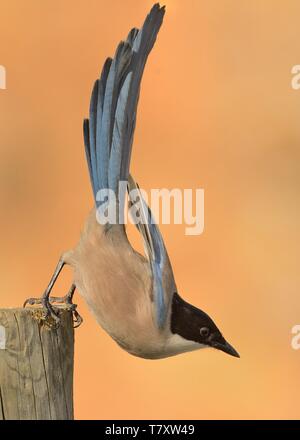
[116, 283]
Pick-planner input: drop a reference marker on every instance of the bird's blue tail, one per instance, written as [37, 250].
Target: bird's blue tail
[108, 133]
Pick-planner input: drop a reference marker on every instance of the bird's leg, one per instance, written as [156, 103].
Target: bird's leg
[44, 300]
[69, 300]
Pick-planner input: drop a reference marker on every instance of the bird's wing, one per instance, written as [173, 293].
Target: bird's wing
[108, 134]
[155, 249]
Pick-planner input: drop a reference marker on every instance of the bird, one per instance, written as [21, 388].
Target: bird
[133, 297]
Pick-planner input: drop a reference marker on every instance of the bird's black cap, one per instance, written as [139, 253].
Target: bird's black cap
[195, 325]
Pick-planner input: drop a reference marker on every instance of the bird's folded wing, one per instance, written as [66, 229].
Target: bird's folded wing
[155, 250]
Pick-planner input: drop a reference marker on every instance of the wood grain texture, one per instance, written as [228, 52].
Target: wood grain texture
[36, 366]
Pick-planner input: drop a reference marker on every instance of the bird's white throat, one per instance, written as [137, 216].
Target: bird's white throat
[177, 344]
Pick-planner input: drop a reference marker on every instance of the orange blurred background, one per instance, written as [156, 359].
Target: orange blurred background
[217, 111]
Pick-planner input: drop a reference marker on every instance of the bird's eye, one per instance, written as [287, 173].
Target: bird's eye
[204, 332]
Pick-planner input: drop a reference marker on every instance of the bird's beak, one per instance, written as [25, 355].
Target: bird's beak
[227, 348]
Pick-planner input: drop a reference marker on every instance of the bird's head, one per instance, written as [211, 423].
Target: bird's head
[195, 326]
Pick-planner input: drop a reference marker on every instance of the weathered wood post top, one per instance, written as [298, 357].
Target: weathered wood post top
[36, 365]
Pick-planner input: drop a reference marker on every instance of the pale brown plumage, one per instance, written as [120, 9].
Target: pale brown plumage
[116, 282]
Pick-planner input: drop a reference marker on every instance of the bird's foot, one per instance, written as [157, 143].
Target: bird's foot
[67, 301]
[49, 311]
[49, 316]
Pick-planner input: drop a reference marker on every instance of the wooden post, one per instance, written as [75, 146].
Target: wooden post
[36, 366]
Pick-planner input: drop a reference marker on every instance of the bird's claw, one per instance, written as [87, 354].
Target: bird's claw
[32, 301]
[50, 312]
[67, 300]
[77, 319]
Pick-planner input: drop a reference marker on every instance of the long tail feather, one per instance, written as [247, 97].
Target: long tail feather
[108, 134]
